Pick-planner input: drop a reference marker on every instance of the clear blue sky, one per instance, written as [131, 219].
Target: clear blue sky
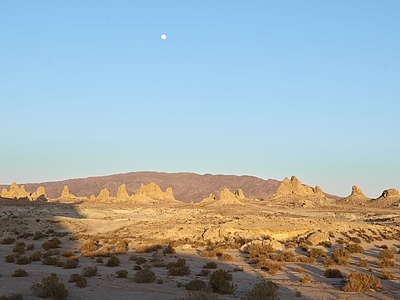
[263, 88]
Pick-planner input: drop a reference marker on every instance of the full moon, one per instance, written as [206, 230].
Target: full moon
[163, 36]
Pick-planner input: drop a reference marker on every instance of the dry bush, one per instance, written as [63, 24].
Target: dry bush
[79, 280]
[387, 275]
[178, 268]
[206, 253]
[341, 256]
[363, 263]
[20, 273]
[286, 256]
[265, 290]
[49, 261]
[255, 250]
[269, 265]
[386, 253]
[210, 265]
[89, 246]
[68, 253]
[89, 271]
[147, 249]
[299, 270]
[23, 260]
[356, 240]
[13, 296]
[333, 273]
[137, 268]
[122, 273]
[354, 248]
[384, 246]
[316, 253]
[359, 282]
[204, 272]
[169, 250]
[144, 276]
[226, 257]
[328, 261]
[72, 262]
[51, 244]
[7, 241]
[138, 259]
[36, 256]
[326, 244]
[305, 259]
[99, 260]
[386, 262]
[113, 261]
[305, 279]
[221, 282]
[50, 287]
[19, 248]
[196, 285]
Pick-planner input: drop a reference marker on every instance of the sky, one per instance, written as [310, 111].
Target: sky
[263, 88]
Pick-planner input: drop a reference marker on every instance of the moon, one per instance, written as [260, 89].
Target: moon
[163, 36]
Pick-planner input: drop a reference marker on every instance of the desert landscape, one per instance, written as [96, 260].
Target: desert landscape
[149, 235]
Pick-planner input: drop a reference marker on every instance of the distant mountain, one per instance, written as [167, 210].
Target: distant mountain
[186, 187]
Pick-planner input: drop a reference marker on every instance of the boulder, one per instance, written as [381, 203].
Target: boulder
[317, 237]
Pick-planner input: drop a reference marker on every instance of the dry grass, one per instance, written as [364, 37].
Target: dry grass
[359, 282]
[387, 275]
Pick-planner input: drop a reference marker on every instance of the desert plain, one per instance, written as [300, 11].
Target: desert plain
[142, 243]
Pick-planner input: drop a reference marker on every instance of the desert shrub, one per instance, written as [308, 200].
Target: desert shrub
[204, 272]
[199, 295]
[305, 259]
[363, 263]
[178, 268]
[259, 250]
[386, 253]
[59, 262]
[20, 273]
[387, 275]
[328, 261]
[51, 244]
[221, 282]
[38, 235]
[138, 259]
[89, 271]
[147, 249]
[50, 287]
[73, 277]
[169, 250]
[13, 296]
[359, 282]
[341, 256]
[113, 261]
[210, 265]
[325, 244]
[384, 246]
[269, 265]
[144, 276]
[196, 285]
[36, 256]
[49, 260]
[385, 262]
[71, 263]
[19, 248]
[79, 280]
[51, 252]
[7, 241]
[305, 279]
[9, 258]
[122, 273]
[316, 253]
[30, 247]
[333, 273]
[354, 248]
[299, 270]
[355, 239]
[206, 253]
[226, 257]
[137, 268]
[265, 290]
[99, 260]
[89, 245]
[68, 253]
[23, 260]
[298, 294]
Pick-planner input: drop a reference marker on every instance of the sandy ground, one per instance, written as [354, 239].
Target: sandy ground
[193, 227]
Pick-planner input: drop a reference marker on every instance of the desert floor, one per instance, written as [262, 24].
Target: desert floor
[192, 229]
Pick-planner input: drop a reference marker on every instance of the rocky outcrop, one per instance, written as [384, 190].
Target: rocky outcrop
[356, 197]
[15, 192]
[293, 192]
[40, 193]
[317, 237]
[389, 197]
[66, 194]
[152, 192]
[104, 195]
[122, 193]
[226, 197]
[239, 194]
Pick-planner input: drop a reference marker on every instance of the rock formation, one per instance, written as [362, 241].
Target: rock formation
[104, 195]
[40, 193]
[389, 197]
[293, 192]
[122, 193]
[356, 197]
[153, 192]
[15, 192]
[226, 197]
[239, 194]
[66, 193]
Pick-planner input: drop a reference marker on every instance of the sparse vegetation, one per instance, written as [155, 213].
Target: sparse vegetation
[265, 290]
[13, 296]
[305, 279]
[210, 265]
[7, 241]
[50, 287]
[20, 273]
[354, 248]
[113, 261]
[89, 271]
[359, 282]
[221, 282]
[333, 273]
[316, 253]
[80, 281]
[144, 276]
[387, 275]
[169, 250]
[122, 273]
[196, 285]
